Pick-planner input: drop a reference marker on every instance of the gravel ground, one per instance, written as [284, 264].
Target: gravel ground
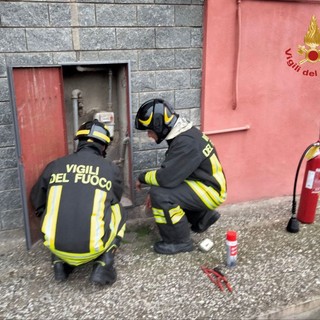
[276, 272]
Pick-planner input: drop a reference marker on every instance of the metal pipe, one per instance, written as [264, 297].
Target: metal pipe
[236, 76]
[76, 96]
[89, 69]
[229, 130]
[109, 105]
[125, 142]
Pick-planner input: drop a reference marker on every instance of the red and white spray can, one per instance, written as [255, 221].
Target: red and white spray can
[232, 248]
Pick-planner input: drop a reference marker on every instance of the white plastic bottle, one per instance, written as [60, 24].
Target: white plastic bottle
[232, 248]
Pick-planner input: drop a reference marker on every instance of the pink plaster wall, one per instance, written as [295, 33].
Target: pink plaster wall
[279, 103]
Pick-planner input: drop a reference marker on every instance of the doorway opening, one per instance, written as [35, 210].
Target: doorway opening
[48, 105]
[100, 91]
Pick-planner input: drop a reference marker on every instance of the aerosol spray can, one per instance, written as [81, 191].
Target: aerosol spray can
[232, 248]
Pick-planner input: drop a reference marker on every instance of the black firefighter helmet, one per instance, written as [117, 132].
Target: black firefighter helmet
[156, 115]
[95, 130]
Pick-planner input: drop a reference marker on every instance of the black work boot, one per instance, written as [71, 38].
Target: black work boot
[175, 238]
[206, 221]
[173, 248]
[61, 269]
[103, 271]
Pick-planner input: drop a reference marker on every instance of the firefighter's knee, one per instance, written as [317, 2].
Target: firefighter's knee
[158, 196]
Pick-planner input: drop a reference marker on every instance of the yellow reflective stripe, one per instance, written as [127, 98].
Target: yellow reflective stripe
[176, 214]
[151, 178]
[218, 173]
[97, 222]
[166, 118]
[76, 259]
[115, 217]
[213, 194]
[114, 224]
[159, 215]
[212, 198]
[101, 135]
[50, 220]
[95, 133]
[202, 194]
[146, 122]
[205, 137]
[82, 132]
[122, 230]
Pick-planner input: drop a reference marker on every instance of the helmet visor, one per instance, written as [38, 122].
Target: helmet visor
[144, 117]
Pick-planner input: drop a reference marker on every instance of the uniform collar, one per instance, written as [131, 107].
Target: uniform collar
[83, 145]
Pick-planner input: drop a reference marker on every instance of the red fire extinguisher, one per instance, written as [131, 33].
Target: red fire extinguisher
[310, 189]
[311, 186]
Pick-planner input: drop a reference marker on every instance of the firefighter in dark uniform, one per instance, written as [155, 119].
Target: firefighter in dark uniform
[78, 197]
[189, 185]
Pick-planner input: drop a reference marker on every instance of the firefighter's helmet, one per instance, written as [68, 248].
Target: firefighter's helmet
[156, 115]
[95, 130]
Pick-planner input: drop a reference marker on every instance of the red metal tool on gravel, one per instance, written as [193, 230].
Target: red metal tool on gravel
[217, 277]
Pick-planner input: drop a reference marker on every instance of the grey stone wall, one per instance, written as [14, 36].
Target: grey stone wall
[161, 38]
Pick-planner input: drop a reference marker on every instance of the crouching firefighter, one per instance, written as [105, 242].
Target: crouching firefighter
[189, 185]
[78, 198]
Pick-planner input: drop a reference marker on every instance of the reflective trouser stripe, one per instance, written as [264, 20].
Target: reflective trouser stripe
[175, 215]
[77, 259]
[159, 215]
[115, 221]
[208, 195]
[114, 225]
[97, 223]
[121, 232]
[218, 174]
[216, 197]
[151, 178]
[51, 217]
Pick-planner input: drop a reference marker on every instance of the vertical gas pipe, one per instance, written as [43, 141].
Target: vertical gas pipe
[76, 97]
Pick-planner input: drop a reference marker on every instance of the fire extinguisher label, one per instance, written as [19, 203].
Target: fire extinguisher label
[316, 182]
[310, 179]
[313, 181]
